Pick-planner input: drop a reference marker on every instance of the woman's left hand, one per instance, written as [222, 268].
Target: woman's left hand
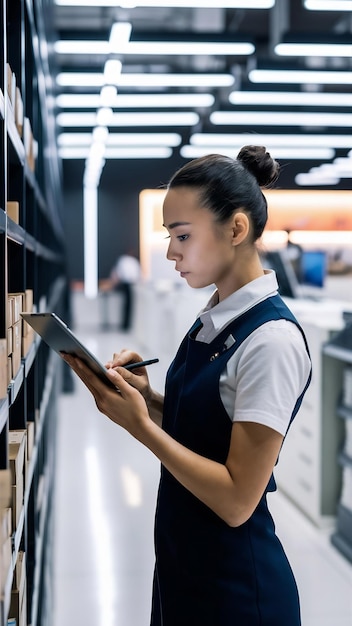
[125, 406]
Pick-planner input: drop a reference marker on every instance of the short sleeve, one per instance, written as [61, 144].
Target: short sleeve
[271, 373]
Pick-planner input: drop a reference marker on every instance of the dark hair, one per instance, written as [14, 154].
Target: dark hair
[227, 185]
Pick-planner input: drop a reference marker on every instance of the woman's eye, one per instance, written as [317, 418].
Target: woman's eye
[182, 237]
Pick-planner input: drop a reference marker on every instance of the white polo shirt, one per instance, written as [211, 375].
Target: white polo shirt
[269, 370]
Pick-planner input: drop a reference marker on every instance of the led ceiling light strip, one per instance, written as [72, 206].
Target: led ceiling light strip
[314, 49]
[120, 139]
[263, 139]
[277, 152]
[120, 34]
[129, 119]
[289, 98]
[94, 79]
[328, 5]
[277, 118]
[125, 152]
[316, 180]
[202, 4]
[161, 48]
[90, 79]
[135, 101]
[319, 77]
[112, 68]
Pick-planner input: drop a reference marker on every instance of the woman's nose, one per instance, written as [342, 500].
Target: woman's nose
[172, 254]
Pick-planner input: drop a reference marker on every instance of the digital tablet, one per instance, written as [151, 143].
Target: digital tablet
[60, 338]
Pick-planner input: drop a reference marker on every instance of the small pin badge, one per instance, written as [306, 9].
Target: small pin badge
[214, 356]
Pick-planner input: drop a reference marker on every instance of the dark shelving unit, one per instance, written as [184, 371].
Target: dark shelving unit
[32, 257]
[340, 349]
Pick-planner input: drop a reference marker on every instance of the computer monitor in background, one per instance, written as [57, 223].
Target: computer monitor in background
[278, 261]
[313, 268]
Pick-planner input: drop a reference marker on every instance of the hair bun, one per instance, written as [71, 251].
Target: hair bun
[259, 162]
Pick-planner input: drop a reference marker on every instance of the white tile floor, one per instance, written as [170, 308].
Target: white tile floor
[105, 498]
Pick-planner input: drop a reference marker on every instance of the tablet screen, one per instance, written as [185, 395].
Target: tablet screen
[60, 338]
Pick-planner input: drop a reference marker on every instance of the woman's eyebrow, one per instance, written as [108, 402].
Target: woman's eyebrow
[175, 224]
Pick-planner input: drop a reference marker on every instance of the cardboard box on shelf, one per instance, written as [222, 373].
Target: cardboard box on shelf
[28, 303]
[26, 343]
[5, 527]
[11, 84]
[3, 368]
[17, 608]
[17, 305]
[19, 571]
[9, 341]
[18, 595]
[27, 330]
[33, 155]
[19, 111]
[8, 78]
[13, 211]
[5, 489]
[9, 369]
[10, 307]
[17, 501]
[6, 524]
[17, 448]
[16, 347]
[17, 453]
[29, 143]
[5, 562]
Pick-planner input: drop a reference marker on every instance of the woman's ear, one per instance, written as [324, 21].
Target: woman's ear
[240, 228]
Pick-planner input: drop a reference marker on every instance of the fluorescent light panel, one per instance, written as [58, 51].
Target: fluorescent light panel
[225, 4]
[104, 116]
[121, 139]
[94, 101]
[289, 98]
[154, 47]
[263, 139]
[125, 152]
[112, 68]
[319, 238]
[328, 5]
[120, 34]
[333, 170]
[314, 49]
[94, 79]
[107, 95]
[130, 119]
[300, 76]
[321, 180]
[277, 152]
[100, 133]
[277, 118]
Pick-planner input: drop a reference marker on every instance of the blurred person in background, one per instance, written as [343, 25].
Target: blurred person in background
[124, 276]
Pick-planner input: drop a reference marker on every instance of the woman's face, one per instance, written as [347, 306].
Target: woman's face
[202, 249]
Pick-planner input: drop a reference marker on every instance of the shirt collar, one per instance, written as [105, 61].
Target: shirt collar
[218, 314]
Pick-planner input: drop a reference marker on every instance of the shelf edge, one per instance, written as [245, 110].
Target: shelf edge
[338, 353]
[4, 407]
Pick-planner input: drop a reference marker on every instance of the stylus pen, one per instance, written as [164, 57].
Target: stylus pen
[132, 366]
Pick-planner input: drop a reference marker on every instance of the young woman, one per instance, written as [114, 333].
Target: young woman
[231, 394]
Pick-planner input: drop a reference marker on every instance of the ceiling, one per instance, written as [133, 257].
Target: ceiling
[288, 134]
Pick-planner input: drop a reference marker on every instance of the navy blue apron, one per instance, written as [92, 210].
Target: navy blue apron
[207, 573]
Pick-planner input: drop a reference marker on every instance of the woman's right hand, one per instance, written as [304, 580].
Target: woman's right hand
[138, 378]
